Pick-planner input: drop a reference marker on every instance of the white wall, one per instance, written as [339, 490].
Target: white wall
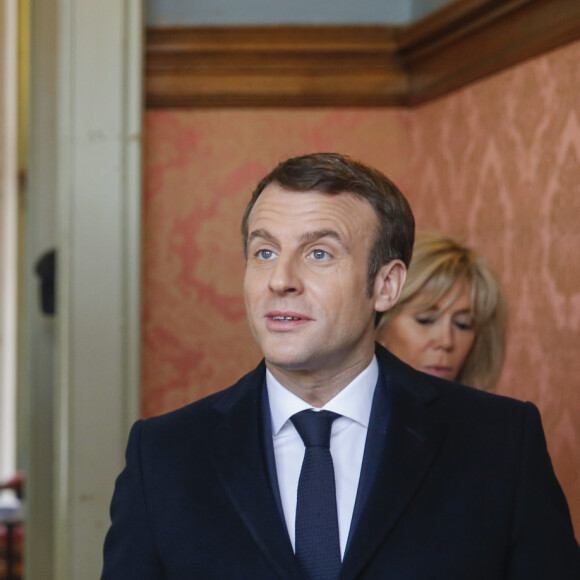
[81, 369]
[236, 12]
[232, 12]
[422, 8]
[37, 341]
[8, 235]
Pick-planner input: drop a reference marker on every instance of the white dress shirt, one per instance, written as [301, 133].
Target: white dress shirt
[347, 443]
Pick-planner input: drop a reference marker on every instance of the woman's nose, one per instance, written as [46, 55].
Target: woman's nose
[443, 334]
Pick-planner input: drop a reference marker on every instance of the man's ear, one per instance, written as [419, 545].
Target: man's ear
[388, 285]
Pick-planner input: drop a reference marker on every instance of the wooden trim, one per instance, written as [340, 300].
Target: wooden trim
[470, 40]
[286, 66]
[336, 66]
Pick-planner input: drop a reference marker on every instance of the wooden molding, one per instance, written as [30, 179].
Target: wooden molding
[282, 66]
[472, 39]
[344, 66]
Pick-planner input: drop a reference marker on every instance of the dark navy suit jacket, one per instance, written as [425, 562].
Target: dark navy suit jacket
[456, 484]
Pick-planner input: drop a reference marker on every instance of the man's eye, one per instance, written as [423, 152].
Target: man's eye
[319, 255]
[265, 254]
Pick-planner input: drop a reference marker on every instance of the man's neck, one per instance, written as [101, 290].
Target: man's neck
[320, 386]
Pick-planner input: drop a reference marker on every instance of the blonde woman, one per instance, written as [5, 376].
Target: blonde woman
[451, 318]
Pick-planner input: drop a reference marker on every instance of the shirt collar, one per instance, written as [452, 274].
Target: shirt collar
[354, 401]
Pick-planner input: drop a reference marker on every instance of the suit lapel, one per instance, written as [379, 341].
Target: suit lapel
[236, 448]
[404, 451]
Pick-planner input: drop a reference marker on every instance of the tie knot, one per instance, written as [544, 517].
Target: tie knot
[314, 427]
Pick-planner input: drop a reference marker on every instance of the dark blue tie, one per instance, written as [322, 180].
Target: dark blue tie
[317, 543]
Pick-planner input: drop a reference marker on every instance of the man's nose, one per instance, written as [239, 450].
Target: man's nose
[285, 277]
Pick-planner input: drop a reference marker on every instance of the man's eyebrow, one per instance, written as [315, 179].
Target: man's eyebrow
[305, 238]
[263, 234]
[310, 237]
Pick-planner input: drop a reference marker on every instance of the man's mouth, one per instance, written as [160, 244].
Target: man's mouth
[277, 317]
[285, 321]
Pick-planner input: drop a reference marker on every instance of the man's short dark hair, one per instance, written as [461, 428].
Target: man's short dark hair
[335, 173]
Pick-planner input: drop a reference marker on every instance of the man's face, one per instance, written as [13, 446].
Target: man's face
[306, 280]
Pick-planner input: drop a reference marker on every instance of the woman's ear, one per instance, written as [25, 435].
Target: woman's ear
[388, 285]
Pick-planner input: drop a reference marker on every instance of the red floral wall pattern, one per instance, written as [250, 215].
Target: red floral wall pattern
[496, 165]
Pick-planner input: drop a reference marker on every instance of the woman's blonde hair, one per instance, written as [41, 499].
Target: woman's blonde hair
[436, 264]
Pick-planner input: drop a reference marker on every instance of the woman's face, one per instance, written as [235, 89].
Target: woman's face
[435, 340]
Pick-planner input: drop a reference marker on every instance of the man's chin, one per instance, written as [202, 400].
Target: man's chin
[289, 361]
[287, 364]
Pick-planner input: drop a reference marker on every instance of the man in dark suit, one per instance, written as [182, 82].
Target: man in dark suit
[333, 459]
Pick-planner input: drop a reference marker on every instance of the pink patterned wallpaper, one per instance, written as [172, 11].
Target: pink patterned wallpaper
[496, 165]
